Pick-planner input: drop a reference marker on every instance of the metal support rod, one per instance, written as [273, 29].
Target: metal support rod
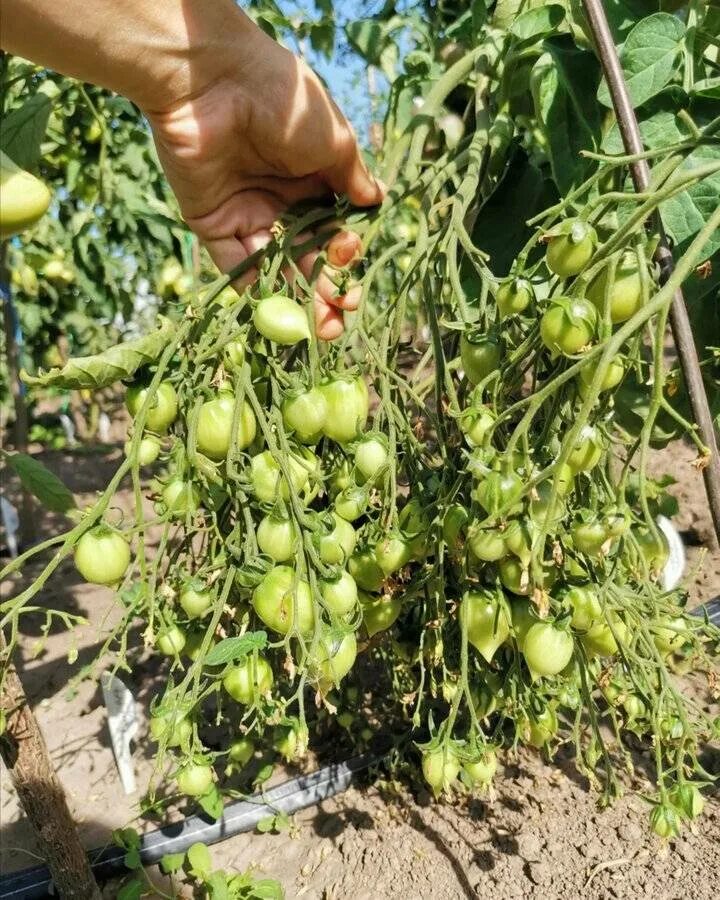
[679, 320]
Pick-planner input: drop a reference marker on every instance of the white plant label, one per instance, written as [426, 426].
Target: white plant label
[123, 725]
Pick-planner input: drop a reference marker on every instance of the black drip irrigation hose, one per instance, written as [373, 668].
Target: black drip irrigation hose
[241, 816]
[238, 817]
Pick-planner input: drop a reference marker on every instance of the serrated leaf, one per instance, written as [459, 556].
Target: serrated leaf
[41, 483]
[648, 58]
[23, 130]
[234, 648]
[535, 23]
[171, 862]
[198, 856]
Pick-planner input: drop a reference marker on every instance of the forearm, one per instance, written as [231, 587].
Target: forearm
[155, 52]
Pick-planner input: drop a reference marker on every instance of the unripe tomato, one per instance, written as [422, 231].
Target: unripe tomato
[568, 253]
[518, 536]
[290, 742]
[515, 577]
[669, 634]
[625, 296]
[180, 497]
[364, 568]
[148, 450]
[481, 771]
[371, 456]
[53, 270]
[195, 601]
[241, 750]
[587, 451]
[540, 730]
[653, 547]
[599, 639]
[568, 325]
[392, 552]
[617, 521]
[664, 821]
[611, 379]
[547, 649]
[487, 544]
[102, 555]
[688, 800]
[195, 779]
[332, 659]
[171, 641]
[351, 503]
[340, 478]
[336, 546]
[214, 426]
[282, 320]
[499, 493]
[480, 355]
[476, 423]
[340, 594]
[440, 767]
[514, 296]
[589, 536]
[585, 604]
[24, 199]
[347, 406]
[523, 618]
[634, 707]
[486, 620]
[174, 727]
[250, 678]
[275, 600]
[305, 414]
[276, 536]
[163, 410]
[268, 481]
[454, 522]
[379, 613]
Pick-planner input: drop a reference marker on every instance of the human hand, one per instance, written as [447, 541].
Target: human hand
[257, 135]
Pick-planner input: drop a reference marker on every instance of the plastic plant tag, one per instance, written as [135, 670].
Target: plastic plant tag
[123, 725]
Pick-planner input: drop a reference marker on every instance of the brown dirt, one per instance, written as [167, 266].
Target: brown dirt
[540, 835]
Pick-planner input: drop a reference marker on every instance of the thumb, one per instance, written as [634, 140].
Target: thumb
[349, 175]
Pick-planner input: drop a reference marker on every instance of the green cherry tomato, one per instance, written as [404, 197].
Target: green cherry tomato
[267, 480]
[305, 413]
[568, 253]
[568, 325]
[440, 768]
[282, 320]
[487, 544]
[371, 456]
[669, 633]
[486, 620]
[195, 779]
[688, 800]
[234, 352]
[664, 821]
[547, 649]
[587, 451]
[351, 503]
[102, 555]
[332, 659]
[241, 750]
[518, 536]
[163, 410]
[175, 728]
[180, 497]
[195, 601]
[541, 729]
[611, 379]
[499, 493]
[379, 613]
[248, 679]
[476, 423]
[276, 537]
[599, 639]
[455, 521]
[284, 602]
[589, 536]
[348, 406]
[337, 545]
[171, 641]
[481, 770]
[654, 548]
[516, 578]
[523, 618]
[586, 607]
[340, 594]
[625, 295]
[364, 568]
[214, 426]
[392, 552]
[480, 356]
[617, 520]
[148, 450]
[514, 296]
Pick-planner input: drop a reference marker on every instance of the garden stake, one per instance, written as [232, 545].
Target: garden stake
[679, 320]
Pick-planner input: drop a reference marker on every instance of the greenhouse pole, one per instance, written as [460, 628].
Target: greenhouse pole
[679, 320]
[26, 756]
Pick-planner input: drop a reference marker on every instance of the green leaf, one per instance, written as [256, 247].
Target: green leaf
[685, 214]
[41, 483]
[23, 130]
[198, 857]
[133, 890]
[132, 859]
[233, 648]
[212, 803]
[535, 23]
[119, 363]
[171, 862]
[266, 825]
[648, 57]
[658, 123]
[218, 886]
[267, 889]
[707, 87]
[564, 82]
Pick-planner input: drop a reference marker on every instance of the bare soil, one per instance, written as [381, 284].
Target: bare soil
[540, 835]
